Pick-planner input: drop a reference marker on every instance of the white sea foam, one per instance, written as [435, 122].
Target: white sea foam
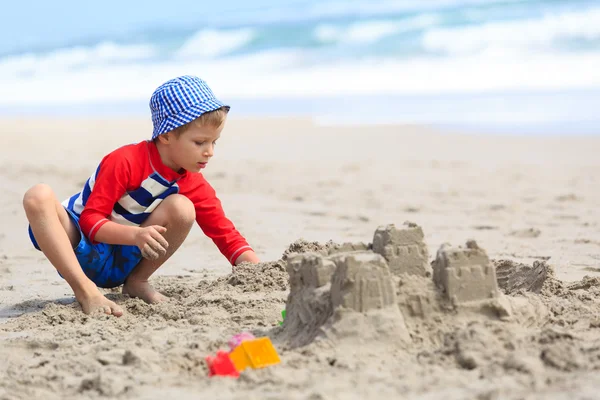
[371, 31]
[275, 74]
[209, 43]
[516, 36]
[73, 57]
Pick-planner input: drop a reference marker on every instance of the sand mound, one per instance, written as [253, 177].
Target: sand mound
[302, 246]
[270, 276]
[380, 315]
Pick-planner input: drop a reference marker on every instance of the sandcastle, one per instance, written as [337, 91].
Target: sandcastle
[376, 280]
[404, 249]
[465, 274]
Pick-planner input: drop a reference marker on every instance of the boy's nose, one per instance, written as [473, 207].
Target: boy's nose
[209, 152]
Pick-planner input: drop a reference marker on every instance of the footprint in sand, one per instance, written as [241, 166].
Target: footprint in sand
[567, 217]
[526, 233]
[485, 227]
[316, 213]
[513, 276]
[567, 197]
[587, 241]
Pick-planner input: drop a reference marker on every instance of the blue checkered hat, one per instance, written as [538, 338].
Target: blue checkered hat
[179, 101]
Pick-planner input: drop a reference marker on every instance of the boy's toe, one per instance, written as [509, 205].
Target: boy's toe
[117, 311]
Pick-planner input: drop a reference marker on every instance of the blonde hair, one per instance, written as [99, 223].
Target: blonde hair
[213, 119]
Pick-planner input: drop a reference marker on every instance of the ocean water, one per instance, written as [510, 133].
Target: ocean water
[527, 65]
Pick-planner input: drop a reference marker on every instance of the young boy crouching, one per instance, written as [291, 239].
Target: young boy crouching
[139, 205]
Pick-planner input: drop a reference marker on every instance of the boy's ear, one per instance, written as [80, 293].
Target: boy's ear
[164, 138]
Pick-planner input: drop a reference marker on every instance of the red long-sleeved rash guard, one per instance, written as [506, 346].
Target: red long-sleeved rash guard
[132, 181]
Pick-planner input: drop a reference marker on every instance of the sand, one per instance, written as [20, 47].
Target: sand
[491, 291]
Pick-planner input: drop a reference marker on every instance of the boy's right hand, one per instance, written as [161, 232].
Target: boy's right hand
[151, 242]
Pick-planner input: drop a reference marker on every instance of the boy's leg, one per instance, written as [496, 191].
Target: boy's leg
[56, 235]
[177, 214]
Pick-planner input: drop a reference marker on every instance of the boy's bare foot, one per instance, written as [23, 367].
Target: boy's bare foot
[94, 303]
[144, 291]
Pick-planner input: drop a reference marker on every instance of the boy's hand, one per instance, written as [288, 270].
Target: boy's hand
[151, 242]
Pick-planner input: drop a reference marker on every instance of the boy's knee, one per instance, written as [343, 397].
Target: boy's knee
[181, 208]
[38, 196]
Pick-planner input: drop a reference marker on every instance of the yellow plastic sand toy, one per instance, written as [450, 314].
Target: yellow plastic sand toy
[255, 353]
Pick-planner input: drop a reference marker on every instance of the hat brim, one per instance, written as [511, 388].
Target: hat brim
[187, 116]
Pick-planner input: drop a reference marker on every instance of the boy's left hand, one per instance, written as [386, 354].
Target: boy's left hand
[247, 256]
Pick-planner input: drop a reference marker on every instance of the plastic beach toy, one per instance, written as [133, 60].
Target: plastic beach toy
[239, 338]
[221, 365]
[254, 353]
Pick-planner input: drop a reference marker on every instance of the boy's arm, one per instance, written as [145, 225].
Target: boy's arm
[213, 222]
[110, 184]
[113, 233]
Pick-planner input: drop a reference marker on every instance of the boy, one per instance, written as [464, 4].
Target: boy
[139, 205]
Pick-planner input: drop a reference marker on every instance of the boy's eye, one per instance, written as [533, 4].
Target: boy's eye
[203, 143]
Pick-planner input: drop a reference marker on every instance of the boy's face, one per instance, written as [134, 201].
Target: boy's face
[192, 149]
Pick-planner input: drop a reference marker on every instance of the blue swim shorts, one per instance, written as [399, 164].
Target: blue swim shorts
[107, 265]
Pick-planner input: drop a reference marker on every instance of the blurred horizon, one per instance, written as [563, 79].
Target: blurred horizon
[412, 61]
